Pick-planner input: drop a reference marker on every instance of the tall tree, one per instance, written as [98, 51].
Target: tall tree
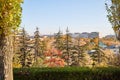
[16, 50]
[78, 48]
[10, 18]
[59, 40]
[67, 47]
[25, 49]
[113, 9]
[67, 44]
[38, 45]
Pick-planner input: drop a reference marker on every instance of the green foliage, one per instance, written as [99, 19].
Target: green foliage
[38, 63]
[10, 15]
[10, 19]
[59, 42]
[67, 73]
[26, 55]
[39, 45]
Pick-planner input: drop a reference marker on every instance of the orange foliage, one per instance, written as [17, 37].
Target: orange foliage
[55, 62]
[53, 52]
[96, 40]
[54, 59]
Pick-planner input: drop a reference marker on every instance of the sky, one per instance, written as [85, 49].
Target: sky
[77, 15]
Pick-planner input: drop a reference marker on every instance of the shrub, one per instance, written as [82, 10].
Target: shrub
[67, 73]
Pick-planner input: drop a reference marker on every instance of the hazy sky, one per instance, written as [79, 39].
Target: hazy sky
[78, 15]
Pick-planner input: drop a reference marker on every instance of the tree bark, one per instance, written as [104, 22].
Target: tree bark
[6, 50]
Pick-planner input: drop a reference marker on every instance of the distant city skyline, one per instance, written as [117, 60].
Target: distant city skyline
[79, 15]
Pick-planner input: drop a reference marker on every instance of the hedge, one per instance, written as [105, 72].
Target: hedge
[67, 73]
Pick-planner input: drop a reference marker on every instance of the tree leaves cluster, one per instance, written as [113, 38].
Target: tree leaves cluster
[10, 15]
[113, 10]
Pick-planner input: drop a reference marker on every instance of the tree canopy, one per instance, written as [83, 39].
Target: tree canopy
[10, 15]
[113, 9]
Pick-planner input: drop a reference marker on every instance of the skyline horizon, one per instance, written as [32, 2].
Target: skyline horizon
[64, 32]
[79, 16]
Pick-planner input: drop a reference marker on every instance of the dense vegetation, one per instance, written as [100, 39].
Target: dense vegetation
[62, 51]
[67, 73]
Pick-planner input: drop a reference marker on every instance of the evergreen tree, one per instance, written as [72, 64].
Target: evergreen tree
[39, 48]
[59, 40]
[80, 51]
[37, 43]
[26, 57]
[67, 48]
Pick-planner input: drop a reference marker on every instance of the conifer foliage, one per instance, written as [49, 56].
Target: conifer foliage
[26, 57]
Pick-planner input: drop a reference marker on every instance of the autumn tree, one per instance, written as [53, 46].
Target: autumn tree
[113, 10]
[10, 19]
[53, 58]
[16, 50]
[17, 43]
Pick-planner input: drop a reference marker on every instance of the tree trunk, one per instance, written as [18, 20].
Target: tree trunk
[6, 71]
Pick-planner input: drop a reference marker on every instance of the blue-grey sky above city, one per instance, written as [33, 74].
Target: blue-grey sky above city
[78, 15]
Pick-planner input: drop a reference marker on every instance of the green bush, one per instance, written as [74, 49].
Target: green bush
[67, 73]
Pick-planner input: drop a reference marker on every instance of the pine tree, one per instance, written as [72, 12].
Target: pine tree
[67, 48]
[80, 52]
[26, 57]
[39, 45]
[59, 40]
